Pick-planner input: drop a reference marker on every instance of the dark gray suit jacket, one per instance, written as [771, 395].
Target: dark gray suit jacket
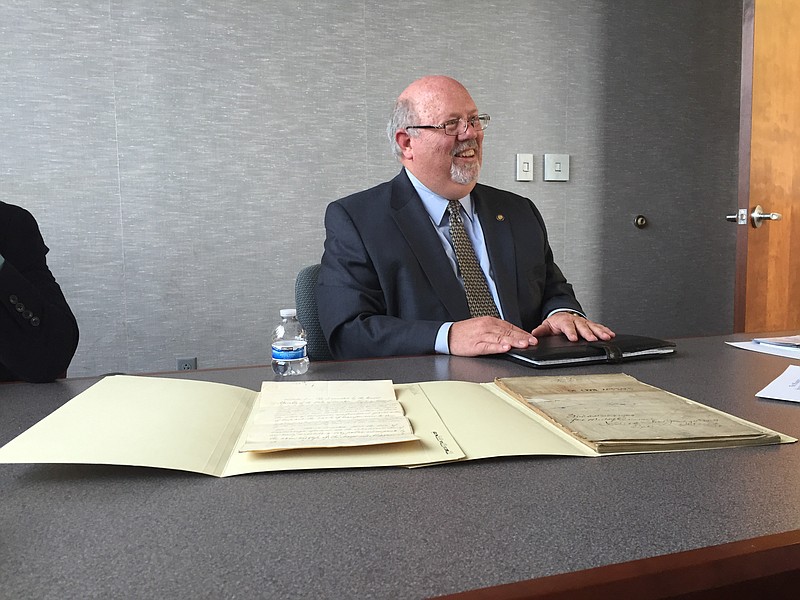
[386, 285]
[38, 332]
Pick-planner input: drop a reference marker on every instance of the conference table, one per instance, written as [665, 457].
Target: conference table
[107, 531]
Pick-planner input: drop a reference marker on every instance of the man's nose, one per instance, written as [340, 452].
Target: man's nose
[469, 133]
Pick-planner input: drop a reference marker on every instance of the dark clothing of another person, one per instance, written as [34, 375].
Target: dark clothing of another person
[38, 332]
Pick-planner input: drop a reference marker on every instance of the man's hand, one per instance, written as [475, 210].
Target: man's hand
[486, 335]
[574, 327]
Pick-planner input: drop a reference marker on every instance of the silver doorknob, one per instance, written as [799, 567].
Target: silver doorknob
[759, 216]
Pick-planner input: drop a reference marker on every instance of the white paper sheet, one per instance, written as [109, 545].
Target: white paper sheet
[768, 349]
[785, 387]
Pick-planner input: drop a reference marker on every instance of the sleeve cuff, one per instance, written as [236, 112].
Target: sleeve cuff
[442, 347]
[568, 310]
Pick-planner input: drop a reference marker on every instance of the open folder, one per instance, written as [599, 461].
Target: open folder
[201, 427]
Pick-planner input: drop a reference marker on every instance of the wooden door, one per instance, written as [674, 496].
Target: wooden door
[768, 257]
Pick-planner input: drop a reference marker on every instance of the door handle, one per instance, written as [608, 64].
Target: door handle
[757, 217]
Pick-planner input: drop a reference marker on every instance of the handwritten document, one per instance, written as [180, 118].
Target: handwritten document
[325, 414]
[617, 413]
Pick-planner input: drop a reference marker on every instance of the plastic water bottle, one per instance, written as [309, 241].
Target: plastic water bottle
[289, 356]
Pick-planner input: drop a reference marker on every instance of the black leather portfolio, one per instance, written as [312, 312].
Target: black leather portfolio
[558, 351]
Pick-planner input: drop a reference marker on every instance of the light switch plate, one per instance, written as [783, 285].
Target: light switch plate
[524, 167]
[556, 167]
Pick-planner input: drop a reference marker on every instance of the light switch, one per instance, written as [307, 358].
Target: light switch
[524, 167]
[556, 167]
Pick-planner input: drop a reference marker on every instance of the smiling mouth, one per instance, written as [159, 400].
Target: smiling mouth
[468, 153]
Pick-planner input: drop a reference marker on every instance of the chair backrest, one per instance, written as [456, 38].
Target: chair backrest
[306, 303]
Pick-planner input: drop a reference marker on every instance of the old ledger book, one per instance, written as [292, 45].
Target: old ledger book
[617, 413]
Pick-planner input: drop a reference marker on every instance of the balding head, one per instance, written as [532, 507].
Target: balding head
[419, 96]
[433, 90]
[448, 165]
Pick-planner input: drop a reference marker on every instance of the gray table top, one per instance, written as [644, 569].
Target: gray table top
[76, 531]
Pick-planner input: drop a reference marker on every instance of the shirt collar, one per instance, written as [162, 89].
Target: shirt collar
[436, 205]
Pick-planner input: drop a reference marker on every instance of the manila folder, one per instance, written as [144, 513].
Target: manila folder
[198, 426]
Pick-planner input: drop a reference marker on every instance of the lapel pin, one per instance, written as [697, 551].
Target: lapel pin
[500, 218]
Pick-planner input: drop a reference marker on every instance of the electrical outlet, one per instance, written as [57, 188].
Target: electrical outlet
[186, 364]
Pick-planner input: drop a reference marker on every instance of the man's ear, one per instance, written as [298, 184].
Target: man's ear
[404, 142]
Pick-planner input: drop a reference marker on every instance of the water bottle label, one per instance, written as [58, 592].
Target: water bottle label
[288, 353]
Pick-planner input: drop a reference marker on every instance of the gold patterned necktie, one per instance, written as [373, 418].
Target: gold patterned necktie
[479, 298]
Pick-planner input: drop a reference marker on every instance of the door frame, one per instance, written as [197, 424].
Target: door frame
[745, 132]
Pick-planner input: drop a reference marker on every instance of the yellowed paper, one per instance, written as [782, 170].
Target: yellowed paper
[615, 412]
[326, 414]
[435, 445]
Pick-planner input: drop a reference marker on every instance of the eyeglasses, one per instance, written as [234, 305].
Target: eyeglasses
[458, 126]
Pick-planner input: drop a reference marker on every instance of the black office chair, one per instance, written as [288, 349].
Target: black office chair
[306, 303]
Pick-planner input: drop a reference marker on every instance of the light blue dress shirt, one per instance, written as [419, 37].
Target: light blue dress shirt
[436, 206]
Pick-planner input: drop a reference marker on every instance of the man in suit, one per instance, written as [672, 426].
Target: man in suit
[38, 332]
[391, 281]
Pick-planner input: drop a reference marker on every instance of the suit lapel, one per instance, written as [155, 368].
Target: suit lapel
[414, 222]
[500, 246]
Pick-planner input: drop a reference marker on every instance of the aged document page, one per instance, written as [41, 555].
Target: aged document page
[435, 445]
[617, 413]
[326, 414]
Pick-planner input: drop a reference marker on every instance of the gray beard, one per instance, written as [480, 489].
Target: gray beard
[464, 175]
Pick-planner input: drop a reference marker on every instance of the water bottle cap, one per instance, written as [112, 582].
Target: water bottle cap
[288, 312]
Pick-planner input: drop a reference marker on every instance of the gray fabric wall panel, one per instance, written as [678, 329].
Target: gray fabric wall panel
[179, 156]
[228, 151]
[58, 159]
